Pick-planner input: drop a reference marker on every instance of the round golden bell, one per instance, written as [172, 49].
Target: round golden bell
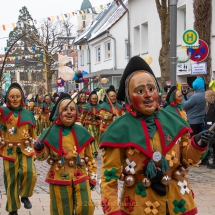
[50, 161]
[122, 177]
[177, 175]
[71, 164]
[86, 159]
[19, 144]
[10, 145]
[26, 142]
[184, 170]
[30, 138]
[130, 181]
[146, 182]
[3, 143]
[166, 180]
[59, 163]
[82, 162]
[2, 138]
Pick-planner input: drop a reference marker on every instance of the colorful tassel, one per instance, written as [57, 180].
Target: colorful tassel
[78, 159]
[164, 164]
[151, 169]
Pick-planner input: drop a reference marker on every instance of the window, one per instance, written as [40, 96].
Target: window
[107, 50]
[126, 49]
[82, 57]
[88, 55]
[98, 54]
[137, 40]
[144, 38]
[23, 76]
[116, 81]
[84, 24]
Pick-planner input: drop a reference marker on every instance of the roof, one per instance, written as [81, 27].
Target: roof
[97, 22]
[85, 5]
[115, 17]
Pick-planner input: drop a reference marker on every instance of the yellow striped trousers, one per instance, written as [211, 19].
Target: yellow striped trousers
[71, 200]
[19, 180]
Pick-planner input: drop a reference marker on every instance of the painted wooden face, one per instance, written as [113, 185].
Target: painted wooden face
[94, 99]
[82, 98]
[40, 99]
[48, 99]
[178, 97]
[143, 93]
[14, 98]
[68, 116]
[112, 97]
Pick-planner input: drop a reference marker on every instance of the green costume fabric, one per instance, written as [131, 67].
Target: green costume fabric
[129, 133]
[107, 106]
[54, 138]
[24, 116]
[89, 108]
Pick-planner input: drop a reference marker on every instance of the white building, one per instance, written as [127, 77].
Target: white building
[146, 32]
[103, 45]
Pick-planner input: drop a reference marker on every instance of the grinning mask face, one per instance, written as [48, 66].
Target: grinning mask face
[68, 116]
[14, 98]
[143, 93]
[112, 97]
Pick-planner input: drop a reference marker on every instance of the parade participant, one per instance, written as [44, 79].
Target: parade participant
[17, 127]
[47, 108]
[38, 110]
[163, 100]
[67, 147]
[81, 101]
[110, 110]
[174, 102]
[91, 121]
[147, 148]
[55, 97]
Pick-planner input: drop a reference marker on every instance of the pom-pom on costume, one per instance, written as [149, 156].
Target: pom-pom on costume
[17, 127]
[73, 170]
[91, 120]
[110, 109]
[174, 102]
[149, 150]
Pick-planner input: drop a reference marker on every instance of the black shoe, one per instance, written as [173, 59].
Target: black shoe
[204, 162]
[13, 213]
[211, 166]
[27, 203]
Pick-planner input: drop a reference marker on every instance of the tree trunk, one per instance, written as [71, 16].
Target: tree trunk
[202, 10]
[164, 58]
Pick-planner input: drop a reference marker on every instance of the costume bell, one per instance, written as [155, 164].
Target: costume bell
[73, 171]
[110, 110]
[174, 102]
[91, 120]
[17, 126]
[148, 149]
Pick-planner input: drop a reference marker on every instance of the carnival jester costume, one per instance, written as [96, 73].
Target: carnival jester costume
[38, 110]
[91, 120]
[81, 101]
[17, 127]
[174, 102]
[47, 108]
[73, 171]
[110, 109]
[149, 150]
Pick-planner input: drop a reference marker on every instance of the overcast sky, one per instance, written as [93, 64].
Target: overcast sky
[38, 9]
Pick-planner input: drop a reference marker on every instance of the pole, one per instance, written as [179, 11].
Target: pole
[173, 39]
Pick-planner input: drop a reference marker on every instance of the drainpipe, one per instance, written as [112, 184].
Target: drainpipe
[128, 24]
[89, 55]
[115, 59]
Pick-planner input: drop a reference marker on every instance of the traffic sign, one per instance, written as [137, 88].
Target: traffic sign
[199, 54]
[190, 38]
[199, 68]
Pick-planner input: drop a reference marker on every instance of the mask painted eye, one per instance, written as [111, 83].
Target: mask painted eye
[140, 92]
[151, 89]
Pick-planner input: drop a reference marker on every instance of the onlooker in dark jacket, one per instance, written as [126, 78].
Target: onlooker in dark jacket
[195, 106]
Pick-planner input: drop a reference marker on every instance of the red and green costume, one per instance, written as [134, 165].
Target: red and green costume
[128, 146]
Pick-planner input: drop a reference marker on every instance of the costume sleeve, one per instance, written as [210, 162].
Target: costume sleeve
[91, 165]
[83, 116]
[111, 171]
[191, 153]
[43, 154]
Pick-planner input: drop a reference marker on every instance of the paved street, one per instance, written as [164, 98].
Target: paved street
[201, 178]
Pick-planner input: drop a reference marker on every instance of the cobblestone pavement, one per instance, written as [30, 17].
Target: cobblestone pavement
[201, 179]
